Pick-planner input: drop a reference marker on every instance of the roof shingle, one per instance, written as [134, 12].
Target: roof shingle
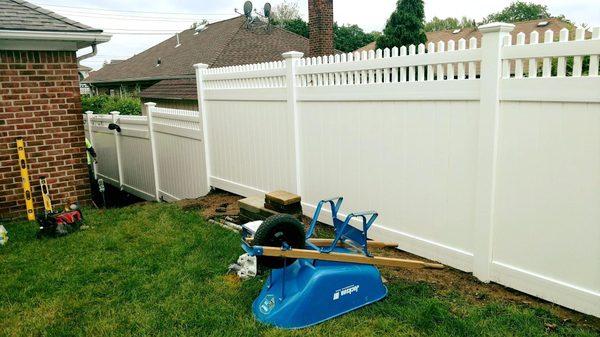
[22, 15]
[222, 43]
[184, 88]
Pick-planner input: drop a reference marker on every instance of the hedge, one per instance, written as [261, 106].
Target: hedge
[103, 104]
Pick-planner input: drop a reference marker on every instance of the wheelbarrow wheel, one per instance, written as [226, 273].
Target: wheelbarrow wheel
[276, 230]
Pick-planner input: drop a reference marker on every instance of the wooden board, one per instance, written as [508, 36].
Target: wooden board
[351, 258]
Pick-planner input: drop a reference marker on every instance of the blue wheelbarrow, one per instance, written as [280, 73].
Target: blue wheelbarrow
[313, 280]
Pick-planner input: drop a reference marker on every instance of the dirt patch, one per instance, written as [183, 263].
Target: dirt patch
[216, 204]
[219, 203]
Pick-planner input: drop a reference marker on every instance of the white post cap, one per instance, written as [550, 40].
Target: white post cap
[200, 65]
[89, 112]
[496, 27]
[292, 55]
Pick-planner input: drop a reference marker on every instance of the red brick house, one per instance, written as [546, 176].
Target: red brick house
[40, 102]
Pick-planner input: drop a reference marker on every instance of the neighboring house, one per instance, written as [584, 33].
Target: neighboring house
[40, 102]
[84, 72]
[540, 25]
[164, 73]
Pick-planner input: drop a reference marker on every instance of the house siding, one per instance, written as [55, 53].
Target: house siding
[40, 102]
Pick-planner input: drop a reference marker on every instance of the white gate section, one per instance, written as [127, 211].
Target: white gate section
[155, 157]
[483, 155]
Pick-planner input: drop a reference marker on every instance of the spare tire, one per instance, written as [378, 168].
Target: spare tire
[276, 230]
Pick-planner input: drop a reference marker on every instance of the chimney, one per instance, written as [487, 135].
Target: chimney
[320, 25]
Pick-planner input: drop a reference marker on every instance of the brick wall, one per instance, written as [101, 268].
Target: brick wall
[39, 101]
[320, 23]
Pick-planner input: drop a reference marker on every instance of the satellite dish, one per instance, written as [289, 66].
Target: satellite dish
[267, 10]
[247, 8]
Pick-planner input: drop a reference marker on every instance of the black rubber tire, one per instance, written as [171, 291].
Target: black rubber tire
[275, 230]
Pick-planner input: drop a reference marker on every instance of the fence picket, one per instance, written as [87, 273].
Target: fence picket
[577, 60]
[371, 72]
[395, 69]
[506, 62]
[472, 66]
[593, 71]
[421, 68]
[462, 45]
[546, 61]
[519, 62]
[440, 67]
[430, 50]
[533, 67]
[411, 69]
[450, 66]
[378, 55]
[561, 64]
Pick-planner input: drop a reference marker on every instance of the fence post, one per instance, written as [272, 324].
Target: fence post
[291, 60]
[494, 35]
[115, 115]
[88, 117]
[200, 69]
[149, 111]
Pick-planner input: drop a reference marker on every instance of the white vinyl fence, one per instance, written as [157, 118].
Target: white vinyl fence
[483, 155]
[155, 157]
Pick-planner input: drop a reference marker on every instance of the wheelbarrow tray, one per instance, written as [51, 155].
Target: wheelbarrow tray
[308, 292]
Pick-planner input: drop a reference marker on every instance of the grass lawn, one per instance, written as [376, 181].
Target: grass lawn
[155, 270]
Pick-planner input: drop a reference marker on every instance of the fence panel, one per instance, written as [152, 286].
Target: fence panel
[180, 153]
[547, 233]
[104, 143]
[138, 173]
[250, 134]
[413, 162]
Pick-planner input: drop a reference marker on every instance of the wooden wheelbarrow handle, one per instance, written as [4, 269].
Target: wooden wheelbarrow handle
[328, 242]
[347, 257]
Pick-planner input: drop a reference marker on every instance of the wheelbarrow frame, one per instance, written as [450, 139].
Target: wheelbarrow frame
[346, 235]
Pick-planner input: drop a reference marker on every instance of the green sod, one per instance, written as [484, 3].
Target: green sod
[155, 270]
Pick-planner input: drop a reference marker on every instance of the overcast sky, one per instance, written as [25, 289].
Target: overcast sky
[131, 20]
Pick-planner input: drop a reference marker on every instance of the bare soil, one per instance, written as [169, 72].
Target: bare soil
[223, 204]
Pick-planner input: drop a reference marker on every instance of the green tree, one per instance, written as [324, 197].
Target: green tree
[285, 11]
[519, 11]
[296, 25]
[348, 38]
[405, 26]
[437, 24]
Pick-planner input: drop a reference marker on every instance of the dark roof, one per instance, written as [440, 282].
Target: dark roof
[21, 15]
[81, 67]
[184, 88]
[222, 43]
[526, 27]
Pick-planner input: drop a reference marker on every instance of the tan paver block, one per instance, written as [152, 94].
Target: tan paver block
[251, 204]
[283, 197]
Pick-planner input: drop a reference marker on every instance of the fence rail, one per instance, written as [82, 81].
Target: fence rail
[484, 155]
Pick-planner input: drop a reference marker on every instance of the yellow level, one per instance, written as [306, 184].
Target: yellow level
[45, 195]
[25, 179]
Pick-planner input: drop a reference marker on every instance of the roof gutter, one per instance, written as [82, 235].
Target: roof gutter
[83, 39]
[139, 79]
[88, 55]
